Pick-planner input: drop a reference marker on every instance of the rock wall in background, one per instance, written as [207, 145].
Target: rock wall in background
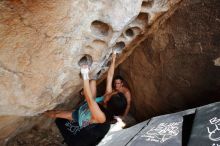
[42, 41]
[177, 66]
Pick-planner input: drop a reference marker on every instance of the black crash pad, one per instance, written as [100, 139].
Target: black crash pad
[161, 131]
[122, 137]
[206, 126]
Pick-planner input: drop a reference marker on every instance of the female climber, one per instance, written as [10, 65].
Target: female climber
[92, 111]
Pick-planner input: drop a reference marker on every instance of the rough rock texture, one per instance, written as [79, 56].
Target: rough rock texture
[177, 66]
[40, 126]
[42, 41]
[38, 137]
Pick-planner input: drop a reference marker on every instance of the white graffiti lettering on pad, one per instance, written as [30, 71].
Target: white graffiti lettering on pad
[214, 129]
[214, 144]
[162, 132]
[72, 128]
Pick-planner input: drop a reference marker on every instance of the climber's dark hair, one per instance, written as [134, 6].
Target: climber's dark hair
[118, 77]
[117, 104]
[108, 114]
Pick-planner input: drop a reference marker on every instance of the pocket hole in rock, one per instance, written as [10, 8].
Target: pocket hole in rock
[143, 17]
[99, 44]
[85, 60]
[118, 47]
[132, 32]
[147, 4]
[100, 28]
[129, 32]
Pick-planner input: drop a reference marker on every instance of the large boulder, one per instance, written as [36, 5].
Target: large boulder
[42, 41]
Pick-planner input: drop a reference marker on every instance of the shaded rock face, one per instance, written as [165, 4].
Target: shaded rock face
[177, 66]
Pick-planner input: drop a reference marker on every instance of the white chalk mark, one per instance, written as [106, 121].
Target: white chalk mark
[162, 132]
[72, 128]
[214, 135]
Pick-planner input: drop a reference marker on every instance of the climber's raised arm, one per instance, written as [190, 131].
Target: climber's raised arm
[97, 115]
[110, 74]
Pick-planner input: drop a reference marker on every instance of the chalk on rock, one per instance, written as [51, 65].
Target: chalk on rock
[85, 60]
[118, 47]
